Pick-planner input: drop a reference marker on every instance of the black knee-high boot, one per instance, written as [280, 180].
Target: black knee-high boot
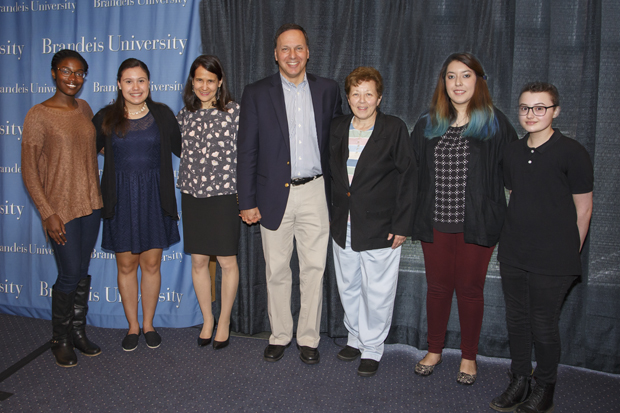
[62, 315]
[80, 309]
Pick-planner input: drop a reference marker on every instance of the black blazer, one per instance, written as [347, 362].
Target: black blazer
[170, 137]
[263, 145]
[381, 197]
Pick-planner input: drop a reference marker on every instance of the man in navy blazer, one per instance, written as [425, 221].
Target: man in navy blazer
[283, 182]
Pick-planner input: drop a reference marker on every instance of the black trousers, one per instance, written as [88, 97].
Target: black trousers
[533, 306]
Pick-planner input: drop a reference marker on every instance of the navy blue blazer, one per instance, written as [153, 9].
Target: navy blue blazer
[263, 145]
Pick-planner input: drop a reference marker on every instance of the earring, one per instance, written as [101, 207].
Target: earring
[217, 94]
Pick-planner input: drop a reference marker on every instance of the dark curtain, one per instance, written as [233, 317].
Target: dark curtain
[567, 42]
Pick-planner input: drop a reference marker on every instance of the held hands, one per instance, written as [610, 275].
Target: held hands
[398, 240]
[250, 216]
[56, 229]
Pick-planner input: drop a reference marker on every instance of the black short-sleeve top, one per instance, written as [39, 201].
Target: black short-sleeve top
[540, 232]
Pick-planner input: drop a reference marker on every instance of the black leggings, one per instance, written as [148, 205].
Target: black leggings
[73, 258]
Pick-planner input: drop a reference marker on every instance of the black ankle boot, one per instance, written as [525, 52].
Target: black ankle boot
[540, 401]
[62, 314]
[80, 309]
[517, 392]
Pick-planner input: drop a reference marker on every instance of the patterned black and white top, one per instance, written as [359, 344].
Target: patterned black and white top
[451, 161]
[208, 165]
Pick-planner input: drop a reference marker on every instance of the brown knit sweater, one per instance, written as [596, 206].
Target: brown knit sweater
[59, 161]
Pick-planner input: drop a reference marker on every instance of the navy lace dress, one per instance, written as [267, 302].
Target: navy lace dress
[139, 223]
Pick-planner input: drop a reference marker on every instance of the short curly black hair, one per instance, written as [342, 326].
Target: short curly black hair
[66, 53]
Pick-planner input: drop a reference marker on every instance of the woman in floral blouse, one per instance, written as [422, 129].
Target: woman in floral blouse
[208, 184]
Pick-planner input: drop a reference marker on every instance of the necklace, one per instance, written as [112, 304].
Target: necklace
[459, 123]
[211, 105]
[138, 112]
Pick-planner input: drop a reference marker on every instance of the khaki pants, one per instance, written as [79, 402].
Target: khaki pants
[306, 220]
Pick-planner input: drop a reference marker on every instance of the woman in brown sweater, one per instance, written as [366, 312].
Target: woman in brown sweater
[60, 171]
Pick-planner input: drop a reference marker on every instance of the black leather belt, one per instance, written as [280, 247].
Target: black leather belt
[301, 181]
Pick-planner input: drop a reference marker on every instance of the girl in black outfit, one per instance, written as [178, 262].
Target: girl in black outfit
[550, 178]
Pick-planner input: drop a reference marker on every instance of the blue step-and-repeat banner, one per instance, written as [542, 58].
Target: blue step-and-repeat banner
[165, 34]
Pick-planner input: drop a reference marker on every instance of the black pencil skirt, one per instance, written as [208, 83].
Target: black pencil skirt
[211, 226]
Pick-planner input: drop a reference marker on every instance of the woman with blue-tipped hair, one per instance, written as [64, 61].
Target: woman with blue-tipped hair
[460, 204]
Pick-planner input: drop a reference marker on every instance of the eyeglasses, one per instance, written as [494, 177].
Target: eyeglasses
[539, 111]
[67, 72]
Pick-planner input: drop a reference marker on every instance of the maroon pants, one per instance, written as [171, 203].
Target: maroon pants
[453, 265]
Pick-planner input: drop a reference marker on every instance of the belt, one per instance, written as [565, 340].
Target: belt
[301, 181]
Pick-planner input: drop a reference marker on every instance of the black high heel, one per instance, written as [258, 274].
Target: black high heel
[218, 345]
[203, 342]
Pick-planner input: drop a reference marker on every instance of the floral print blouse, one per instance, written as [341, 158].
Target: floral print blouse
[208, 165]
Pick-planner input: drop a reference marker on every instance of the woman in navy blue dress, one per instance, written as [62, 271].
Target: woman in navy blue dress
[140, 214]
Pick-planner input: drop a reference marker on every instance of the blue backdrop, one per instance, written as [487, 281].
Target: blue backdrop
[165, 34]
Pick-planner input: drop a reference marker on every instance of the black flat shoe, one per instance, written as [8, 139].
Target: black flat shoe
[153, 339]
[348, 353]
[130, 342]
[274, 352]
[218, 345]
[308, 355]
[203, 342]
[368, 367]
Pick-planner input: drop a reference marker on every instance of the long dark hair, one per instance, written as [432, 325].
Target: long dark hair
[213, 65]
[482, 122]
[115, 119]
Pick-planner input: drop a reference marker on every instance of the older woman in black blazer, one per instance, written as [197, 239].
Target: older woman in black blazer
[373, 177]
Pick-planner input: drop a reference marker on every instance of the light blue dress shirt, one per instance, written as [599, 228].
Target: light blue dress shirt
[305, 155]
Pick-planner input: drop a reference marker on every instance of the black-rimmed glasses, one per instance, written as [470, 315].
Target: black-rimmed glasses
[536, 110]
[67, 72]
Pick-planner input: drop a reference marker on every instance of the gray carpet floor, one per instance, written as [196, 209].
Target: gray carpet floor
[181, 377]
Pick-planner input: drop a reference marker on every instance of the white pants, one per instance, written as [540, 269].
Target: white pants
[306, 220]
[367, 285]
